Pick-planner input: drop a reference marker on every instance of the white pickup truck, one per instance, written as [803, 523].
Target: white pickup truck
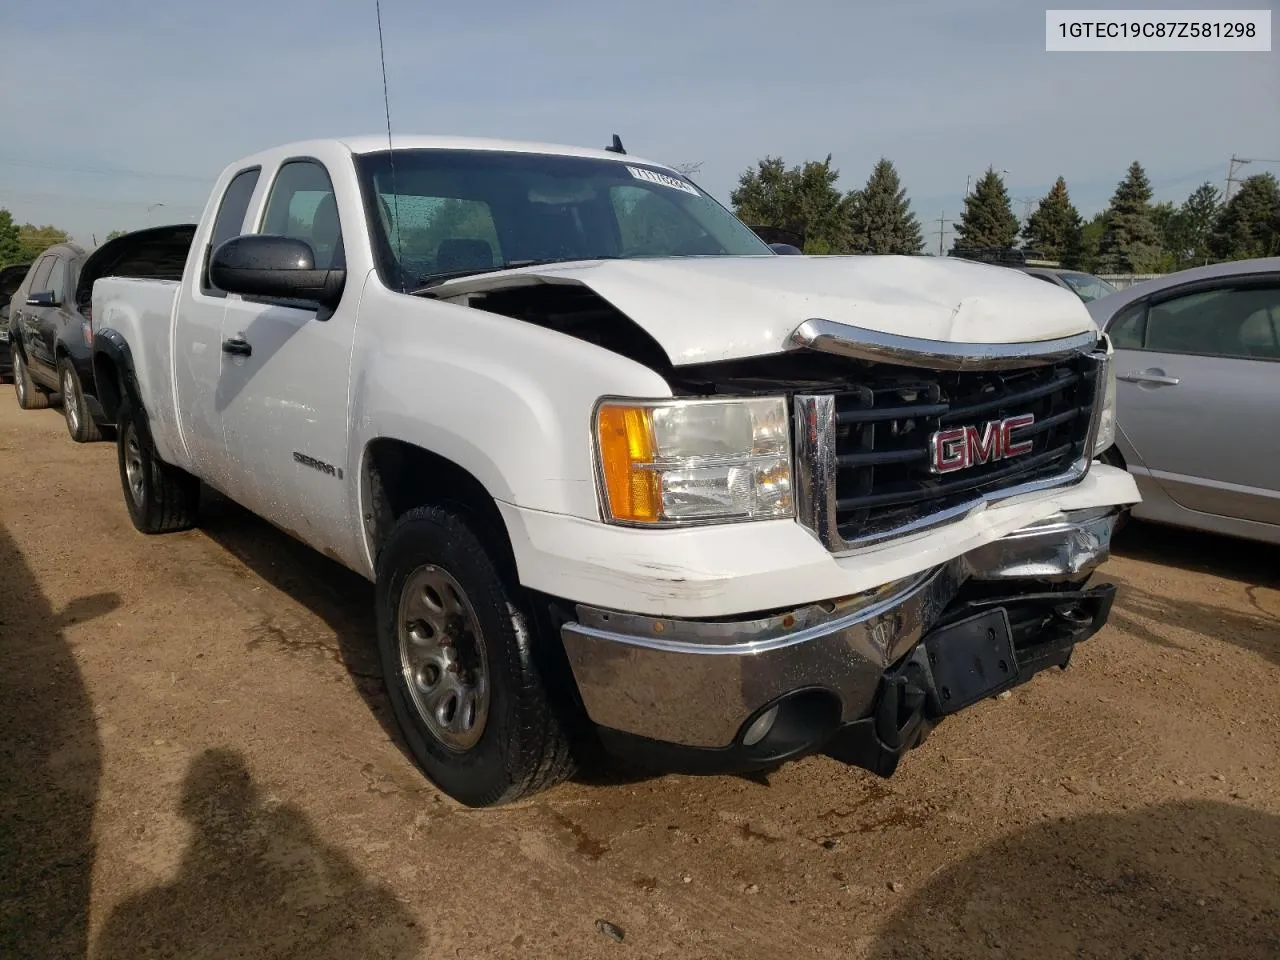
[622, 474]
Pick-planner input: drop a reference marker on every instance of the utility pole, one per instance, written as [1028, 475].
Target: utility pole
[1231, 171]
[942, 221]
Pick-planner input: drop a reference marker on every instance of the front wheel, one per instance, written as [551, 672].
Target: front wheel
[30, 397]
[74, 408]
[461, 670]
[161, 498]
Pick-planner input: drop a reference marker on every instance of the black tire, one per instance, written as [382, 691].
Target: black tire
[524, 745]
[161, 498]
[74, 408]
[30, 397]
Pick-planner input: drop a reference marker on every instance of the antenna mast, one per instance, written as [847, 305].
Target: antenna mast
[391, 155]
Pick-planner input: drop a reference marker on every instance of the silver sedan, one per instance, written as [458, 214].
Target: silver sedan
[1198, 395]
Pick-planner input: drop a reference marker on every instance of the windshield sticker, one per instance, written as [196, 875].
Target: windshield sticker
[662, 179]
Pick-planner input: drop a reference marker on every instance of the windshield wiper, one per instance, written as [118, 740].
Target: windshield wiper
[436, 279]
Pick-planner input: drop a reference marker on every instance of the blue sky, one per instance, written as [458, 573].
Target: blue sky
[178, 89]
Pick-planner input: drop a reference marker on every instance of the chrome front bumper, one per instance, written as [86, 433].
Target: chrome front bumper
[697, 684]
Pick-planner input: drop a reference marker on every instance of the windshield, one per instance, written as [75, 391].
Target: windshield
[1087, 286]
[452, 212]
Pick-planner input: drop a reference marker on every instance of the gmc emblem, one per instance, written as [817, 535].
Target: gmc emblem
[962, 447]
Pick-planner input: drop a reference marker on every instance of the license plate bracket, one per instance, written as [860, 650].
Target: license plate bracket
[971, 660]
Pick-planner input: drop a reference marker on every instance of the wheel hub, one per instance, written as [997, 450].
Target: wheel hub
[133, 465]
[442, 657]
[71, 400]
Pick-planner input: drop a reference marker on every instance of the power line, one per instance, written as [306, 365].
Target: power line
[105, 171]
[100, 203]
[1231, 171]
[941, 222]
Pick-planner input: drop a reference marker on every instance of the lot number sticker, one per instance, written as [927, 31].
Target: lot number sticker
[662, 179]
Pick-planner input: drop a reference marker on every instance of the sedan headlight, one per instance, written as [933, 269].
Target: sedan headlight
[669, 462]
[1106, 433]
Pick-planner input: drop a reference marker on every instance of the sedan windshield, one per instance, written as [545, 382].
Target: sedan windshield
[442, 213]
[1086, 286]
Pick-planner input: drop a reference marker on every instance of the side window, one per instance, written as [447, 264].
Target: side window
[1129, 327]
[1226, 322]
[302, 205]
[230, 220]
[40, 276]
[57, 284]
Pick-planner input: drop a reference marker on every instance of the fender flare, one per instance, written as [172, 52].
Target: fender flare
[111, 345]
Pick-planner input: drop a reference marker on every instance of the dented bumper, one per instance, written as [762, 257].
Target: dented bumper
[704, 688]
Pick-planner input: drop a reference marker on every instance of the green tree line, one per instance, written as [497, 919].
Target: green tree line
[1132, 235]
[22, 244]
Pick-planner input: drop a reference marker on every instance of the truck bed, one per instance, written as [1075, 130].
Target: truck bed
[144, 309]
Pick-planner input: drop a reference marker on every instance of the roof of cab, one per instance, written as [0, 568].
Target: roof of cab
[376, 144]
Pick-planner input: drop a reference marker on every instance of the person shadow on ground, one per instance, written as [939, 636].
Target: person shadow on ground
[256, 881]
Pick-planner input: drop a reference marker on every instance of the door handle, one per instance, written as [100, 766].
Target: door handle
[1149, 378]
[237, 347]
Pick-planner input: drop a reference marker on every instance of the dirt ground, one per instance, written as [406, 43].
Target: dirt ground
[197, 760]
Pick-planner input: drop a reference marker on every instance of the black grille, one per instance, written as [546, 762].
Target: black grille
[883, 476]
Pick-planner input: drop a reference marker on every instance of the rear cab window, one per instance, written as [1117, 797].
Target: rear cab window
[230, 220]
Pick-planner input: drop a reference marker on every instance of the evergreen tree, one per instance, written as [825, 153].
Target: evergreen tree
[1090, 238]
[10, 246]
[1198, 214]
[880, 216]
[802, 199]
[1130, 242]
[1055, 228]
[1249, 225]
[988, 219]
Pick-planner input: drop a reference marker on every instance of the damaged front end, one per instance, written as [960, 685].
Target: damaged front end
[863, 678]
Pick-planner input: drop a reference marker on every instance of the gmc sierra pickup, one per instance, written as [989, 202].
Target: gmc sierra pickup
[618, 470]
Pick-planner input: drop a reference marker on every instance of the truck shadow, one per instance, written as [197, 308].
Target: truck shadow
[345, 602]
[1245, 561]
[1253, 564]
[50, 767]
[1173, 880]
[256, 881]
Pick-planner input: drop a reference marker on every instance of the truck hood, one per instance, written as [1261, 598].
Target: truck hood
[705, 309]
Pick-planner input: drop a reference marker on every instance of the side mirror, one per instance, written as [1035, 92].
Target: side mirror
[786, 249]
[44, 298]
[265, 265]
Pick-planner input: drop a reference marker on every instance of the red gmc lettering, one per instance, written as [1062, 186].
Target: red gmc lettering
[950, 450]
[959, 448]
[1012, 449]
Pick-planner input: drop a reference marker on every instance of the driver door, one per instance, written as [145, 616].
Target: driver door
[282, 389]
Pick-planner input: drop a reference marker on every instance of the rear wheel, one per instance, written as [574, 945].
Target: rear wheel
[161, 498]
[79, 421]
[460, 664]
[30, 397]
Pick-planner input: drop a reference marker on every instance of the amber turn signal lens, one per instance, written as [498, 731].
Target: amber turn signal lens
[626, 450]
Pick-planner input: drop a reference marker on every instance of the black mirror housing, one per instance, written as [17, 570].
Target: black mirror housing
[786, 249]
[44, 298]
[266, 265]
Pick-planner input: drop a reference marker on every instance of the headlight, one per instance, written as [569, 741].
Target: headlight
[668, 462]
[1106, 434]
